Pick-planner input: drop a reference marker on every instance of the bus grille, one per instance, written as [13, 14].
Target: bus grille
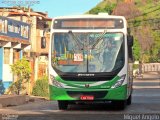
[107, 78]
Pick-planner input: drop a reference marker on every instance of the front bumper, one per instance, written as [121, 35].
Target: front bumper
[119, 93]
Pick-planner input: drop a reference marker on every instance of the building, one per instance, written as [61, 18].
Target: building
[14, 37]
[38, 22]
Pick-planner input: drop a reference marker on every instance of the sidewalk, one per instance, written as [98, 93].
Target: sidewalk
[15, 100]
[12, 100]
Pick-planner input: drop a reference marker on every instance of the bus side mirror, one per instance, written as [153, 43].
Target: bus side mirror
[130, 40]
[43, 42]
[130, 44]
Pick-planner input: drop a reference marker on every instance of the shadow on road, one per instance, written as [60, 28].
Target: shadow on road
[94, 107]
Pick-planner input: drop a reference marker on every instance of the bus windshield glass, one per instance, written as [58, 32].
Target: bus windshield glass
[87, 52]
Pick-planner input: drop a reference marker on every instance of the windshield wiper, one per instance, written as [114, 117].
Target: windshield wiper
[99, 39]
[75, 39]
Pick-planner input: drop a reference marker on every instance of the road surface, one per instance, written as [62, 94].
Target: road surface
[145, 106]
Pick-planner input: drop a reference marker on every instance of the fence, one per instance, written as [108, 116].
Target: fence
[151, 67]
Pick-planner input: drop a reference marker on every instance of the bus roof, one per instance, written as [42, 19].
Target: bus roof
[90, 16]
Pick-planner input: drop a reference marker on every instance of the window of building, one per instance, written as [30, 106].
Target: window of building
[6, 55]
[16, 55]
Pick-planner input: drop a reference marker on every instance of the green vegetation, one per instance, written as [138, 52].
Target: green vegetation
[136, 49]
[41, 87]
[22, 70]
[145, 28]
[143, 18]
[108, 8]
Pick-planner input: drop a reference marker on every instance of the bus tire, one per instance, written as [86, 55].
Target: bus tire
[62, 105]
[129, 100]
[120, 104]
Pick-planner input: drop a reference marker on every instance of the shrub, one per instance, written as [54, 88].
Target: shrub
[22, 70]
[41, 87]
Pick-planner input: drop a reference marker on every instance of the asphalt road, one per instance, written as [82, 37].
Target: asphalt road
[145, 106]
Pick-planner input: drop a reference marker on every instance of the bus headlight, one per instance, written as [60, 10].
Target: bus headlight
[119, 82]
[55, 82]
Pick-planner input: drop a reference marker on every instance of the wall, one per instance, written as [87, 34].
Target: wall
[7, 74]
[33, 34]
[1, 63]
[39, 49]
[2, 87]
[5, 78]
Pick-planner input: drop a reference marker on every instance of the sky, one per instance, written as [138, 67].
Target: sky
[56, 7]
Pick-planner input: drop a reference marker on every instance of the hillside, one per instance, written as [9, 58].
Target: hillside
[143, 18]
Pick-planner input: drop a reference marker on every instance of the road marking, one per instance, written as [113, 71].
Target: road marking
[139, 87]
[155, 81]
[146, 95]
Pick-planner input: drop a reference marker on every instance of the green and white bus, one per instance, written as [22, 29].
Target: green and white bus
[90, 60]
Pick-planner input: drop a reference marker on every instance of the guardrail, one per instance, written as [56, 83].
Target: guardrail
[150, 67]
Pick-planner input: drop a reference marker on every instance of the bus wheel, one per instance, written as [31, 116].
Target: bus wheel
[129, 100]
[62, 105]
[119, 104]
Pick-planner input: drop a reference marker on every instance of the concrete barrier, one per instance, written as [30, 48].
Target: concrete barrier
[151, 67]
[12, 100]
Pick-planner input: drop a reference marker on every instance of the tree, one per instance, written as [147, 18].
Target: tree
[95, 10]
[145, 37]
[136, 50]
[127, 9]
[108, 8]
[155, 48]
[22, 69]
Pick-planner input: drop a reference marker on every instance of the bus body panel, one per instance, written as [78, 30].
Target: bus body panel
[111, 94]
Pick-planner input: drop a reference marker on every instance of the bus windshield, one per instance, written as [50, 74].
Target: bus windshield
[87, 52]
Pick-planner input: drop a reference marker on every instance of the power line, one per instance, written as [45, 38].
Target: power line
[153, 19]
[147, 12]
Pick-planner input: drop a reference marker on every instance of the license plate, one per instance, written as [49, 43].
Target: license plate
[87, 97]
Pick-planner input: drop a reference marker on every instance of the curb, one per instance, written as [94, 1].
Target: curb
[12, 100]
